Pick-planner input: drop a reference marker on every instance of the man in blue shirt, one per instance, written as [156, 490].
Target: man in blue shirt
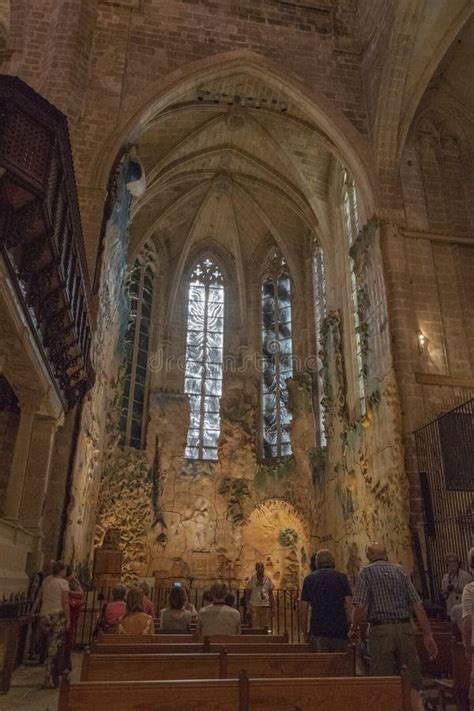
[385, 595]
[329, 594]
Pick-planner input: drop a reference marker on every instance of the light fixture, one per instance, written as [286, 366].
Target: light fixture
[422, 341]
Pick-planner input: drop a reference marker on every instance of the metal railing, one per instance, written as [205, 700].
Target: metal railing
[286, 618]
[445, 453]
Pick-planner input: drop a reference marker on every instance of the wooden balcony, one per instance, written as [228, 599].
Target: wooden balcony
[40, 233]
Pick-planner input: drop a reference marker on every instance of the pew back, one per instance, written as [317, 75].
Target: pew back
[332, 694]
[356, 694]
[197, 647]
[209, 695]
[117, 667]
[190, 638]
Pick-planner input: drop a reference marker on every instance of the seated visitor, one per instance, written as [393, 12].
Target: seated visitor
[206, 599]
[175, 617]
[148, 605]
[135, 621]
[218, 618]
[189, 605]
[113, 611]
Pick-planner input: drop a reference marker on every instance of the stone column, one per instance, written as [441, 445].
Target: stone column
[37, 473]
[28, 406]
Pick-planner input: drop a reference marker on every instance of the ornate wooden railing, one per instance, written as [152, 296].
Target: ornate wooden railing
[40, 232]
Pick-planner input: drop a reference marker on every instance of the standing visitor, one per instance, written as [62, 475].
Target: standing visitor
[467, 622]
[259, 593]
[386, 597]
[37, 645]
[55, 621]
[77, 601]
[453, 582]
[329, 594]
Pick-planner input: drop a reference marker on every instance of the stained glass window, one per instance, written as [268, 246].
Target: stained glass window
[277, 358]
[137, 343]
[351, 228]
[320, 311]
[204, 344]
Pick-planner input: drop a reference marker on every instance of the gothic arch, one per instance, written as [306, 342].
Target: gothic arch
[347, 142]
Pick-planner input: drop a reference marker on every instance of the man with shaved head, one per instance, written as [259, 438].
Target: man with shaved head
[386, 596]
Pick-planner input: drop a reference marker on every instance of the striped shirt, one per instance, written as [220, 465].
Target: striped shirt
[386, 590]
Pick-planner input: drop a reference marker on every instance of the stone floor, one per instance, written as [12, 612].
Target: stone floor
[26, 692]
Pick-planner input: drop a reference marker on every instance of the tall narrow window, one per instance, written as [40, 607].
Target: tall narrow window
[320, 312]
[277, 358]
[204, 344]
[137, 343]
[351, 228]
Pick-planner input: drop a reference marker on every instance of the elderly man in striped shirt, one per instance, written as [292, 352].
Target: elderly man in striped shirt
[386, 596]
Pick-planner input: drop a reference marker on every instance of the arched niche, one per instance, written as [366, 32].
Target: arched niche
[276, 534]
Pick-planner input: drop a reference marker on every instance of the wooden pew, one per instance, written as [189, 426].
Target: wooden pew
[146, 667]
[331, 694]
[189, 638]
[456, 689]
[199, 647]
[287, 664]
[195, 695]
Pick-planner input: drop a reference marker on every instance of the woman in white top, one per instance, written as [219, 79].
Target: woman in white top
[55, 620]
[467, 621]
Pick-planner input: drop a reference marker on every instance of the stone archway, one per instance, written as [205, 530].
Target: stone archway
[276, 533]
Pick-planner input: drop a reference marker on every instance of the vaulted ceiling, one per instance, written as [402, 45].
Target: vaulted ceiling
[234, 161]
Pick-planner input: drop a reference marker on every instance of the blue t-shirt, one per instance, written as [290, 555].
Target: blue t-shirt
[326, 590]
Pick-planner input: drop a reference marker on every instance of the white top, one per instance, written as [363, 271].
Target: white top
[51, 594]
[468, 605]
[456, 581]
[218, 619]
[259, 591]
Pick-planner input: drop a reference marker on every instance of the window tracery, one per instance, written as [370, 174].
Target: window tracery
[204, 357]
[277, 357]
[352, 226]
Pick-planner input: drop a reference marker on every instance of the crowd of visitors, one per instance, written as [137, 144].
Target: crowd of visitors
[376, 615]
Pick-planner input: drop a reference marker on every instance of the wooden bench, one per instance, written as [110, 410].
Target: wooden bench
[196, 695]
[141, 667]
[456, 689]
[282, 694]
[199, 647]
[330, 694]
[181, 638]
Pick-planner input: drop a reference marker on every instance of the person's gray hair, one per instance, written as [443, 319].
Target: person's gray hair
[324, 559]
[145, 587]
[218, 591]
